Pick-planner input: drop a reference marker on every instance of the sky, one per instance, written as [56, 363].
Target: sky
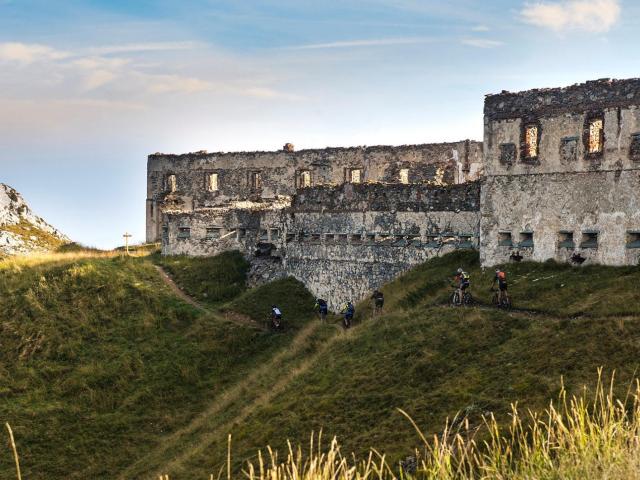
[89, 88]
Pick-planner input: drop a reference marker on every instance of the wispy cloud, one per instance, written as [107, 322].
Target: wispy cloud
[144, 47]
[480, 28]
[373, 42]
[29, 53]
[481, 42]
[589, 15]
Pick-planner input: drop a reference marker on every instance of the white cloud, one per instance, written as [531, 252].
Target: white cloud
[143, 47]
[375, 42]
[589, 15]
[481, 42]
[28, 53]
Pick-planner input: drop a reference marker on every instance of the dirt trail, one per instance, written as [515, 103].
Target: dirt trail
[182, 438]
[229, 316]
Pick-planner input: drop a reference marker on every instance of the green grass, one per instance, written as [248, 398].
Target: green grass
[99, 362]
[130, 381]
[212, 280]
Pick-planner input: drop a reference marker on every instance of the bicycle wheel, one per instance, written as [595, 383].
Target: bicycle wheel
[494, 300]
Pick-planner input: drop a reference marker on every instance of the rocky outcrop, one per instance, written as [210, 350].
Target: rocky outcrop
[21, 230]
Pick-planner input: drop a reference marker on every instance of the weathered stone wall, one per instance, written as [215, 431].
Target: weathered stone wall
[281, 174]
[343, 242]
[356, 239]
[551, 208]
[562, 115]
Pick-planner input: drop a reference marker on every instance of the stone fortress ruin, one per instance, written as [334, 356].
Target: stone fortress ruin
[557, 177]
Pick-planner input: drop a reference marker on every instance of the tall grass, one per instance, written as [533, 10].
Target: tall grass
[581, 437]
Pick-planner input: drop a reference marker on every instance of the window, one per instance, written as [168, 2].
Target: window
[568, 149]
[305, 179]
[432, 241]
[170, 183]
[531, 141]
[316, 238]
[504, 239]
[256, 180]
[329, 238]
[290, 237]
[526, 240]
[184, 232]
[212, 182]
[165, 232]
[404, 175]
[589, 240]
[634, 149]
[355, 175]
[565, 239]
[264, 236]
[275, 234]
[242, 232]
[356, 238]
[465, 241]
[595, 142]
[633, 239]
[507, 153]
[214, 233]
[370, 237]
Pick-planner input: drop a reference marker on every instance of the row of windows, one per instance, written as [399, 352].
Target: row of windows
[588, 239]
[212, 183]
[594, 138]
[430, 240]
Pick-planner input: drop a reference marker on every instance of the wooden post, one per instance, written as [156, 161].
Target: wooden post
[127, 236]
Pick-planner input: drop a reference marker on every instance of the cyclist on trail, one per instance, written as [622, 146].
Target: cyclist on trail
[501, 278]
[276, 316]
[462, 279]
[378, 301]
[348, 310]
[322, 308]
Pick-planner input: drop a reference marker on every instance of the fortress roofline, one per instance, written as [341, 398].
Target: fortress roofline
[578, 98]
[326, 150]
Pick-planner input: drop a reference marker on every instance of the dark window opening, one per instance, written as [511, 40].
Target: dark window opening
[356, 238]
[275, 234]
[634, 149]
[565, 239]
[343, 238]
[329, 238]
[242, 232]
[507, 153]
[504, 239]
[165, 232]
[465, 241]
[214, 233]
[316, 238]
[264, 236]
[432, 241]
[371, 237]
[526, 240]
[589, 240]
[633, 239]
[184, 232]
[290, 237]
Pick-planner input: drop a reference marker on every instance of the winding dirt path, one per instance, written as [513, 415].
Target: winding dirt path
[228, 316]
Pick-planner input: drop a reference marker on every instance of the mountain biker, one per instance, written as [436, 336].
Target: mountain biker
[276, 316]
[348, 310]
[463, 280]
[322, 308]
[378, 301]
[501, 278]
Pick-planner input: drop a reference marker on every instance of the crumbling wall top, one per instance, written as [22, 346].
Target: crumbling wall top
[579, 98]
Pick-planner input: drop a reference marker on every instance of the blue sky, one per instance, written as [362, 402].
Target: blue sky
[89, 88]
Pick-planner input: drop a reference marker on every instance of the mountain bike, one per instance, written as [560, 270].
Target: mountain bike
[460, 298]
[505, 302]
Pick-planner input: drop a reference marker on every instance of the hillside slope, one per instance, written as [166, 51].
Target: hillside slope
[22, 231]
[100, 361]
[435, 361]
[105, 373]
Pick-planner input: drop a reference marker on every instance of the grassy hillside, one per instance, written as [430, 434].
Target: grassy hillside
[107, 375]
[434, 361]
[100, 362]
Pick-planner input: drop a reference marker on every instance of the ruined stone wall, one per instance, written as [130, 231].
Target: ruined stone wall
[343, 242]
[562, 116]
[559, 215]
[281, 174]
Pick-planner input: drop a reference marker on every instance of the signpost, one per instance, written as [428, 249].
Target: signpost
[127, 236]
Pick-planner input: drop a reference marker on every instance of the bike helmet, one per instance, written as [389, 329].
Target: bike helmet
[460, 270]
